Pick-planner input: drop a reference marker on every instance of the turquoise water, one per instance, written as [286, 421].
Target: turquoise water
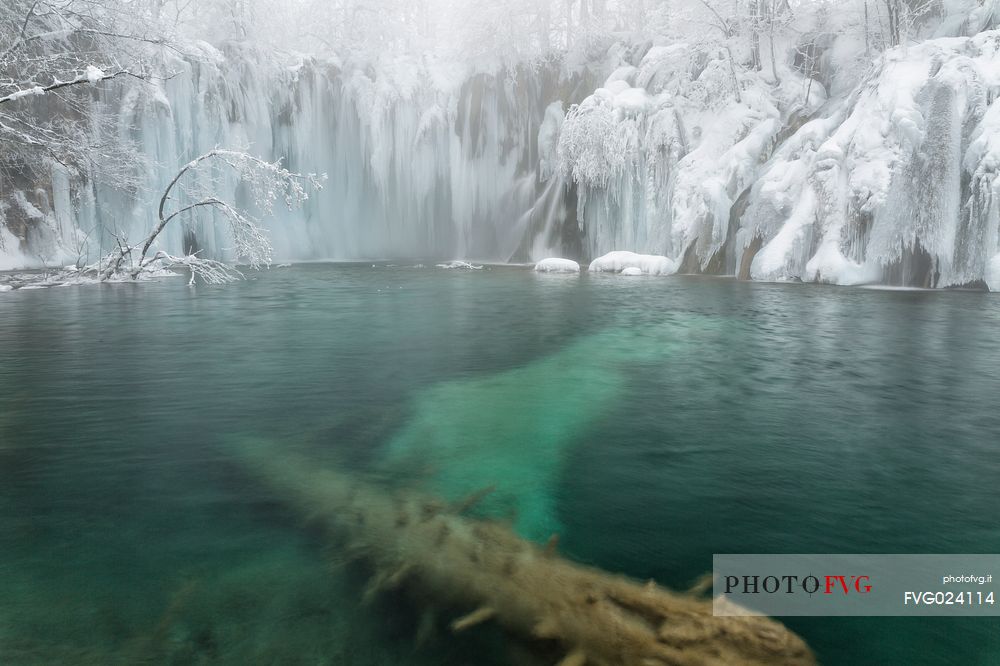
[650, 422]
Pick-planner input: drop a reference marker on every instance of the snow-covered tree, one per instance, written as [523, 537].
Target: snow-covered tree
[267, 182]
[54, 55]
[50, 51]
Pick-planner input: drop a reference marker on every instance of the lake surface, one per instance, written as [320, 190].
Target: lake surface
[649, 421]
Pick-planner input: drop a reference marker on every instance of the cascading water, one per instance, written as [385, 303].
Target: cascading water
[421, 162]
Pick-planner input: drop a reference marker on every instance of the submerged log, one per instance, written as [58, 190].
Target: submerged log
[599, 619]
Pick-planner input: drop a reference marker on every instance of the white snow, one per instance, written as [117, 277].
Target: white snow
[27, 92]
[878, 180]
[620, 260]
[830, 265]
[458, 263]
[660, 154]
[93, 74]
[27, 208]
[624, 73]
[632, 101]
[557, 265]
[6, 287]
[632, 271]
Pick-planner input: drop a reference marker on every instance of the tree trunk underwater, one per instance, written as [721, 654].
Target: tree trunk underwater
[484, 569]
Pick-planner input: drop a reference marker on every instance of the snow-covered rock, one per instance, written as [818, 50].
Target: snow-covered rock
[632, 271]
[557, 265]
[620, 260]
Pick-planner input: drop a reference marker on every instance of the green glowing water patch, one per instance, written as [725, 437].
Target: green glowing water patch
[513, 430]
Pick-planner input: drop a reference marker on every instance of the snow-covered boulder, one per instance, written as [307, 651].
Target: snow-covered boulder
[647, 264]
[632, 271]
[557, 265]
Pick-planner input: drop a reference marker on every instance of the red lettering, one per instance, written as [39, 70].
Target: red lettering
[831, 582]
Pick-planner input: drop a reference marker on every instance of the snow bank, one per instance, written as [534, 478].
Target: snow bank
[620, 261]
[557, 265]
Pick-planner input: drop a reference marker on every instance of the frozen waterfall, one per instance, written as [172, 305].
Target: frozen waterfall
[660, 150]
[421, 162]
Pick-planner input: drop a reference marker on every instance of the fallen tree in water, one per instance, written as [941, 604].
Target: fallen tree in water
[450, 560]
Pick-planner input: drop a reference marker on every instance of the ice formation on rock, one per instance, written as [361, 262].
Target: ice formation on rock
[898, 184]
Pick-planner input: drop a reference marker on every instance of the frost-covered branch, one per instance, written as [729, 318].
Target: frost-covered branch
[594, 143]
[91, 75]
[52, 52]
[266, 181]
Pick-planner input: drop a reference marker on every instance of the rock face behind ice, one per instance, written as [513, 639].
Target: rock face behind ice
[619, 261]
[557, 265]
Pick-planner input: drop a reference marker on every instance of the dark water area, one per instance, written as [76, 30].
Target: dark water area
[651, 422]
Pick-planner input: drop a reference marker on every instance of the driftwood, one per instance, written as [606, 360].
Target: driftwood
[598, 619]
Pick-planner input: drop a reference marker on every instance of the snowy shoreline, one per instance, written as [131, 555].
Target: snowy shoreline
[35, 279]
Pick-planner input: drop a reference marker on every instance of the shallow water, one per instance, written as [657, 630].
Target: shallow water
[650, 421]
